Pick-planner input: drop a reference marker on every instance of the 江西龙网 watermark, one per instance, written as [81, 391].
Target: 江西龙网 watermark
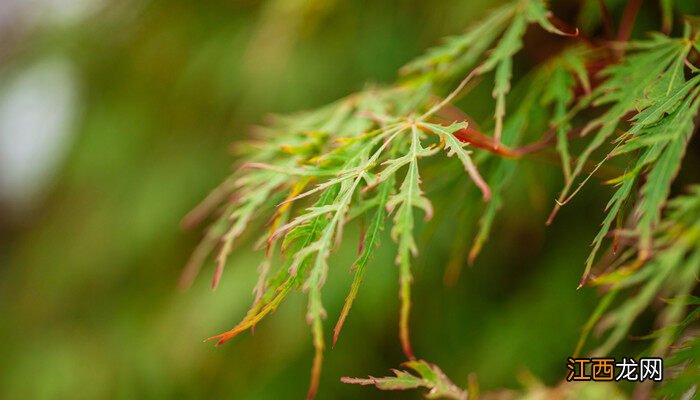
[610, 369]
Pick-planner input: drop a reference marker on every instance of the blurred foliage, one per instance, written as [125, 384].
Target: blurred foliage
[88, 273]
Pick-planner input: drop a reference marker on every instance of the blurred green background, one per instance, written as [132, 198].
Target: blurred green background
[116, 119]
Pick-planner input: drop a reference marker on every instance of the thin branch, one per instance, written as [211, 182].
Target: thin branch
[607, 20]
[629, 17]
[451, 96]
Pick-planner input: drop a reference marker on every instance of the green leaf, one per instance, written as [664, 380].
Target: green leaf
[454, 146]
[371, 241]
[459, 53]
[408, 197]
[502, 60]
[625, 91]
[537, 12]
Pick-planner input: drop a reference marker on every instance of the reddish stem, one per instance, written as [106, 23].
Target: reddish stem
[629, 16]
[607, 21]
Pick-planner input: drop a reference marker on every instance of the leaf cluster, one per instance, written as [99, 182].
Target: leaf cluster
[360, 158]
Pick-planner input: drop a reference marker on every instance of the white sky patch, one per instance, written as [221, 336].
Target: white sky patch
[63, 11]
[36, 111]
[51, 12]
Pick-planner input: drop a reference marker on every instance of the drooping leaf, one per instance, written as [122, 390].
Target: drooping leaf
[429, 376]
